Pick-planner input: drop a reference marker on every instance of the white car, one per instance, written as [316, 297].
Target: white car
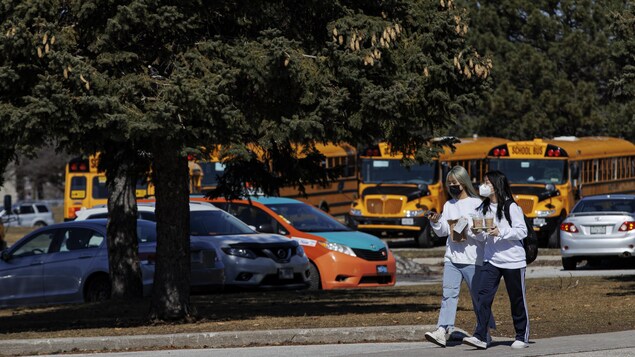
[598, 227]
[27, 214]
[251, 259]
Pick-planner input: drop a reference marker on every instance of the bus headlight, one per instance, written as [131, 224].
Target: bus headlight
[355, 212]
[338, 248]
[414, 213]
[545, 213]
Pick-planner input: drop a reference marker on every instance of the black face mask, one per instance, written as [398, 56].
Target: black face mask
[455, 190]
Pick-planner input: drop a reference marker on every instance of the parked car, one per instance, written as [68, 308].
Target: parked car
[68, 263]
[143, 212]
[340, 257]
[251, 259]
[34, 214]
[601, 226]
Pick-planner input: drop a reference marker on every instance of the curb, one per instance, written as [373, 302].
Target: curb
[216, 339]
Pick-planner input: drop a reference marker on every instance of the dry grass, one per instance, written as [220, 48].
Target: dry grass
[556, 306]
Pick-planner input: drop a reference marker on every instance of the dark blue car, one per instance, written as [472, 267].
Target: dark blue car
[68, 263]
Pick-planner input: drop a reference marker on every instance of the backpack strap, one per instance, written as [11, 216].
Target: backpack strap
[508, 216]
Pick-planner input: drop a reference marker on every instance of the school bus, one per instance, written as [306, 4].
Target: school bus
[85, 186]
[548, 176]
[334, 198]
[392, 198]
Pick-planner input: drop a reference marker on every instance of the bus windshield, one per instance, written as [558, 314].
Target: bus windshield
[531, 171]
[211, 171]
[391, 171]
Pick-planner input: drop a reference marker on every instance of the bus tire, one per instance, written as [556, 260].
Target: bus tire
[569, 263]
[314, 278]
[425, 239]
[554, 237]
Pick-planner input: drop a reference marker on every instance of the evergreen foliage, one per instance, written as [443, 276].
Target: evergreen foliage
[552, 66]
[152, 81]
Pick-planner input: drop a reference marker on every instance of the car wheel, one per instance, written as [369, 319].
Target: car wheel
[314, 278]
[39, 224]
[425, 239]
[569, 263]
[97, 289]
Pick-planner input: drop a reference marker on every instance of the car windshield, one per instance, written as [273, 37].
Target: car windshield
[214, 223]
[392, 171]
[605, 205]
[307, 218]
[531, 171]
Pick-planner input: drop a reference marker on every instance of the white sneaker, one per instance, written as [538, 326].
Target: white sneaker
[475, 342]
[520, 344]
[437, 337]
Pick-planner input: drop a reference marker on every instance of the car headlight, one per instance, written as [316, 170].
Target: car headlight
[240, 252]
[414, 213]
[338, 248]
[545, 213]
[355, 212]
[300, 251]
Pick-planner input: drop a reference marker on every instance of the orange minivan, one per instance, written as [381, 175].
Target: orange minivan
[340, 257]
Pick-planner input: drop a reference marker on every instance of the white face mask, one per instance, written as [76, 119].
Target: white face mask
[484, 190]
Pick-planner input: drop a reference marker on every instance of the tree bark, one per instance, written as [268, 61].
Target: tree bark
[171, 290]
[123, 246]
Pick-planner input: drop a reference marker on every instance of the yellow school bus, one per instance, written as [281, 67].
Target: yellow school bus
[392, 198]
[85, 186]
[334, 198]
[548, 176]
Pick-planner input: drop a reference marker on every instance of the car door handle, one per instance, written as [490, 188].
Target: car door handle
[37, 263]
[85, 257]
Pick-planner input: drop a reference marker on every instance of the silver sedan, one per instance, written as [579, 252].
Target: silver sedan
[601, 226]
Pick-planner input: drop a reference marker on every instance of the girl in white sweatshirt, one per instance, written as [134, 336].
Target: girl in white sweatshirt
[504, 257]
[463, 254]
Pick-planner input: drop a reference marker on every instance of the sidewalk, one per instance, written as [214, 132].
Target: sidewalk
[606, 344]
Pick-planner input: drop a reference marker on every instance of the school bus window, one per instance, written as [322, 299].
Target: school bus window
[78, 187]
[532, 171]
[100, 190]
[386, 171]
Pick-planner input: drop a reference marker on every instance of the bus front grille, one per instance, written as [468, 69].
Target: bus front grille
[379, 206]
[526, 205]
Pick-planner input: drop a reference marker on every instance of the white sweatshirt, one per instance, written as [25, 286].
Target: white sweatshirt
[506, 251]
[469, 251]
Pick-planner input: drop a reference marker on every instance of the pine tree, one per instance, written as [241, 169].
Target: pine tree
[551, 67]
[147, 83]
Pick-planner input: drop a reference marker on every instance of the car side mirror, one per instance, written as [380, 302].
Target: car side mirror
[5, 255]
[265, 228]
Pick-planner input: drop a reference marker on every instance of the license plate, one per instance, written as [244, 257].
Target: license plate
[539, 222]
[382, 269]
[285, 273]
[407, 221]
[598, 229]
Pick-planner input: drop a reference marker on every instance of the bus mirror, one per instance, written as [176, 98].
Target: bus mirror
[7, 204]
[424, 189]
[340, 187]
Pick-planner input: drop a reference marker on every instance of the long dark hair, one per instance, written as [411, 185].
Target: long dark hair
[502, 191]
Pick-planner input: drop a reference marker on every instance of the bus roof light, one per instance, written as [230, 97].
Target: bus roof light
[503, 152]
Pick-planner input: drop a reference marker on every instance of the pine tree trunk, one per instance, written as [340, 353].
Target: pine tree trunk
[123, 247]
[171, 290]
